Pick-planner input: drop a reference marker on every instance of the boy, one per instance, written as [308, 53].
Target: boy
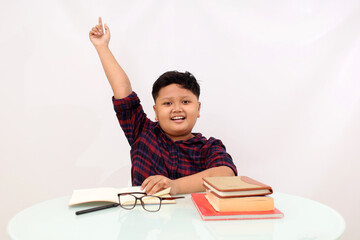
[164, 153]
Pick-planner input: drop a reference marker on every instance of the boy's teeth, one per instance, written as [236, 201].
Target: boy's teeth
[176, 118]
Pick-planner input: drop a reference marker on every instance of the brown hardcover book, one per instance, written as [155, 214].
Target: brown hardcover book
[236, 186]
[258, 203]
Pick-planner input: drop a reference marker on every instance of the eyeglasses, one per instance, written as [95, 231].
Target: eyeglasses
[128, 201]
[149, 202]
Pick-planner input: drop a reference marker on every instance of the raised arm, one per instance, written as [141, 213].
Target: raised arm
[117, 77]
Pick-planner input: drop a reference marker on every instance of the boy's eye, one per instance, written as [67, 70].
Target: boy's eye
[167, 103]
[186, 101]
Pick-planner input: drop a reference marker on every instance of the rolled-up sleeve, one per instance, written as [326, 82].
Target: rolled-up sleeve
[217, 155]
[130, 115]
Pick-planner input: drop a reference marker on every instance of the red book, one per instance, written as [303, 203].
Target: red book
[207, 212]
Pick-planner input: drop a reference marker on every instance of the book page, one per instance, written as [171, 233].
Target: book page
[94, 195]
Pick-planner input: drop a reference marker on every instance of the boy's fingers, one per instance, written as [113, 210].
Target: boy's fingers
[107, 30]
[150, 184]
[160, 183]
[99, 29]
[143, 185]
[95, 30]
[100, 21]
[92, 32]
[157, 187]
[146, 182]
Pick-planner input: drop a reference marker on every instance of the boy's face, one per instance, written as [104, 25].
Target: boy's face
[177, 110]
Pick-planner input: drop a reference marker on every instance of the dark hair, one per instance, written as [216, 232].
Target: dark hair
[185, 80]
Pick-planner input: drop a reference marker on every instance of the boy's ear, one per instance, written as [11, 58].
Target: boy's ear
[156, 117]
[199, 109]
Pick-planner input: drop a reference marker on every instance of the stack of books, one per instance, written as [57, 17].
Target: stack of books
[236, 197]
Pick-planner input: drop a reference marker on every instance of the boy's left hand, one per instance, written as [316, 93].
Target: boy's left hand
[156, 183]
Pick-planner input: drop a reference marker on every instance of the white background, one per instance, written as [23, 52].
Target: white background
[280, 85]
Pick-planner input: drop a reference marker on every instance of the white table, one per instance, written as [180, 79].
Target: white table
[51, 220]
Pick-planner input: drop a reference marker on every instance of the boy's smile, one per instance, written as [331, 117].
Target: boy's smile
[177, 110]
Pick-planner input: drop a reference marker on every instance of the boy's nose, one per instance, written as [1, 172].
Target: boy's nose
[177, 108]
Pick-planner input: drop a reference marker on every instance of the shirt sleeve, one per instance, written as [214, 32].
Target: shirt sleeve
[131, 116]
[217, 156]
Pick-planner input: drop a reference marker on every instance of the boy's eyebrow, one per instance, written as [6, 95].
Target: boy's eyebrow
[166, 98]
[169, 98]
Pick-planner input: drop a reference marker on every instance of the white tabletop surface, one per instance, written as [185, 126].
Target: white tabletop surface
[304, 220]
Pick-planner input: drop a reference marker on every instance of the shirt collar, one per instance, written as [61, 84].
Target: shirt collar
[198, 138]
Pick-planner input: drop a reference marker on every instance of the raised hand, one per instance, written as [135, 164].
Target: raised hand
[97, 35]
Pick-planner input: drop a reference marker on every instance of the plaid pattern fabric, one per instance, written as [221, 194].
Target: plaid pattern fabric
[154, 153]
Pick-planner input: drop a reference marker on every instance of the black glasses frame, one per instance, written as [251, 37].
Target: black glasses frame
[129, 207]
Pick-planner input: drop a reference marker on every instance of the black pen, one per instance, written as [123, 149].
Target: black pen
[97, 208]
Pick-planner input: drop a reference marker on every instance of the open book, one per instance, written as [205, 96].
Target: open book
[110, 195]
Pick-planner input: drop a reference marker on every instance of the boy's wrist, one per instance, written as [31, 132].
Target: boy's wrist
[175, 187]
[101, 47]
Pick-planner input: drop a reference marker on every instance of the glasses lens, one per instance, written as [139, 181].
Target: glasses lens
[151, 203]
[127, 201]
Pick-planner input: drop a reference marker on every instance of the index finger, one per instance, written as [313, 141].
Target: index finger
[146, 182]
[143, 185]
[100, 21]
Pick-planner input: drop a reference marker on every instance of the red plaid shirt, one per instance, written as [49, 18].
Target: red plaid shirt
[154, 153]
